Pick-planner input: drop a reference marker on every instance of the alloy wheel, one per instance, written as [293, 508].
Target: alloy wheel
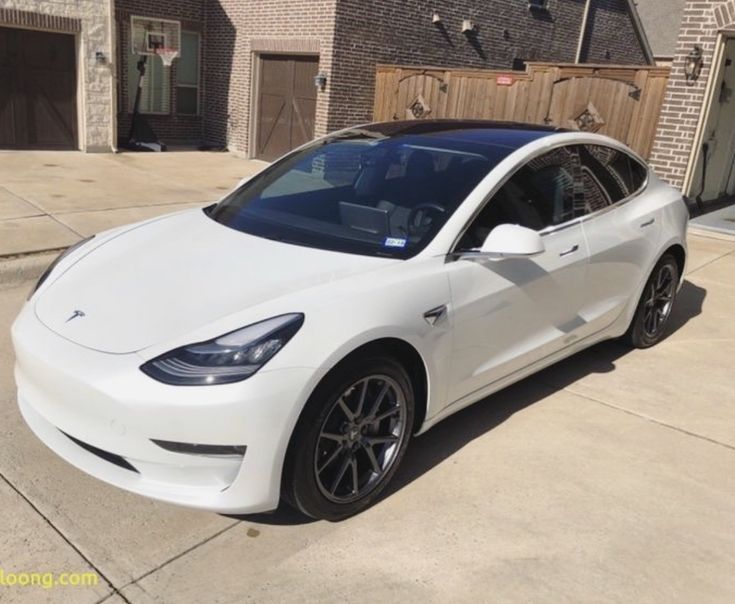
[659, 300]
[360, 438]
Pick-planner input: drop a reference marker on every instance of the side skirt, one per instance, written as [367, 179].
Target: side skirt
[496, 386]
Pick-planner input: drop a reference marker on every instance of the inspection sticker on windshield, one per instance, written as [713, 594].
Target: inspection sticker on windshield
[394, 242]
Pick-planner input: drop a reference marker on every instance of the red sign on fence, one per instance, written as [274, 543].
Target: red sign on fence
[504, 80]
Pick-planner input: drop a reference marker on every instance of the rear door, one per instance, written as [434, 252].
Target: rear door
[509, 313]
[622, 232]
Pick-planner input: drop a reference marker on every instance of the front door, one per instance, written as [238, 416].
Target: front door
[286, 104]
[508, 314]
[38, 91]
[720, 133]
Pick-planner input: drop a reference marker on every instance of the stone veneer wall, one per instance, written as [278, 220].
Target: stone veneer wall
[90, 22]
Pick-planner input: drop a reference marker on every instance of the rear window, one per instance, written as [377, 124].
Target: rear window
[609, 175]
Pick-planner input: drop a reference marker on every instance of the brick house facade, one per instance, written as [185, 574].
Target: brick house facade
[341, 39]
[683, 125]
[351, 37]
[507, 33]
[238, 32]
[87, 23]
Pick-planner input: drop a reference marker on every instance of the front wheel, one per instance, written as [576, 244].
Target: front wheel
[654, 308]
[350, 438]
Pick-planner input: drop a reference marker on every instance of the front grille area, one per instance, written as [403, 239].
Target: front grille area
[120, 462]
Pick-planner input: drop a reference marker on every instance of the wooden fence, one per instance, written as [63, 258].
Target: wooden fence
[621, 101]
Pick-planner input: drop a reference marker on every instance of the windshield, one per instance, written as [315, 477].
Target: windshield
[365, 194]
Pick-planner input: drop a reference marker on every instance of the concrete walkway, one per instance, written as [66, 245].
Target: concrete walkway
[51, 199]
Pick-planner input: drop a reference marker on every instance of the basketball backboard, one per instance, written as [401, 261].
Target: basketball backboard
[153, 36]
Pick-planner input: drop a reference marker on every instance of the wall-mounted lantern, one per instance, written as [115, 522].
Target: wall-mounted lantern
[436, 19]
[320, 81]
[693, 65]
[100, 58]
[468, 27]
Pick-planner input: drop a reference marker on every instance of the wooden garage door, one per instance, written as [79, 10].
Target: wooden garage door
[286, 104]
[37, 90]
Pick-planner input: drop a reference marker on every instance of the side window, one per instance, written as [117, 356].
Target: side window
[603, 184]
[187, 75]
[638, 174]
[543, 193]
[609, 175]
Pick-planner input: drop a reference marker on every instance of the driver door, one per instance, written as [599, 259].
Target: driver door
[508, 314]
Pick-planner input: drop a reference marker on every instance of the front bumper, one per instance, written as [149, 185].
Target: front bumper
[100, 413]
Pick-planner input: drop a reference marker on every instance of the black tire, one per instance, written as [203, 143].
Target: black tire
[648, 326]
[309, 490]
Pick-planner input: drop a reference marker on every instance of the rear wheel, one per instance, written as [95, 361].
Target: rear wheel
[654, 308]
[350, 438]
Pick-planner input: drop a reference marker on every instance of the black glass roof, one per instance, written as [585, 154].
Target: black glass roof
[506, 134]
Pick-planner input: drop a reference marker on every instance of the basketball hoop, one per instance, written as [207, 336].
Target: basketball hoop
[167, 55]
[151, 36]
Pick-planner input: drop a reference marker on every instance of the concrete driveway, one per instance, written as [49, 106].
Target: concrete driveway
[51, 199]
[607, 478]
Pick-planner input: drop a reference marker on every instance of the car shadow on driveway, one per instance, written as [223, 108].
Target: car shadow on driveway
[449, 436]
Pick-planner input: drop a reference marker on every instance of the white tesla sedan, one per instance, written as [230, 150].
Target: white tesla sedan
[289, 340]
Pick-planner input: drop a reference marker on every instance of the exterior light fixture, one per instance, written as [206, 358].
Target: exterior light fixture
[436, 19]
[468, 27]
[693, 65]
[320, 81]
[100, 58]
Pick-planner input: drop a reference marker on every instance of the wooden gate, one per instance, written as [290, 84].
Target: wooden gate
[621, 101]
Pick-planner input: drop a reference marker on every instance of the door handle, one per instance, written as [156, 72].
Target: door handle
[570, 251]
[648, 223]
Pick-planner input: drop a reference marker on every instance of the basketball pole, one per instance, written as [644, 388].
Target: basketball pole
[136, 105]
[142, 137]
[151, 37]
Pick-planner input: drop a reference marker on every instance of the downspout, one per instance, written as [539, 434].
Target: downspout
[640, 31]
[114, 67]
[583, 31]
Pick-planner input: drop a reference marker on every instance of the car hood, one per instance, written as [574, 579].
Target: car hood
[166, 278]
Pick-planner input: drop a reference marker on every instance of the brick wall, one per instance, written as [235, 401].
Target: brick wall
[611, 36]
[386, 31]
[683, 103]
[171, 128]
[90, 21]
[354, 35]
[223, 66]
[236, 31]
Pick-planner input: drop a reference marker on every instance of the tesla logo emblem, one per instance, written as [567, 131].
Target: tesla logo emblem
[76, 314]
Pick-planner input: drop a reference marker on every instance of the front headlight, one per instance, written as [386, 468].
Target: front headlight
[55, 263]
[232, 357]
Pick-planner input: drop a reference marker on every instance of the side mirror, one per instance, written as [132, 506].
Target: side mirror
[512, 241]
